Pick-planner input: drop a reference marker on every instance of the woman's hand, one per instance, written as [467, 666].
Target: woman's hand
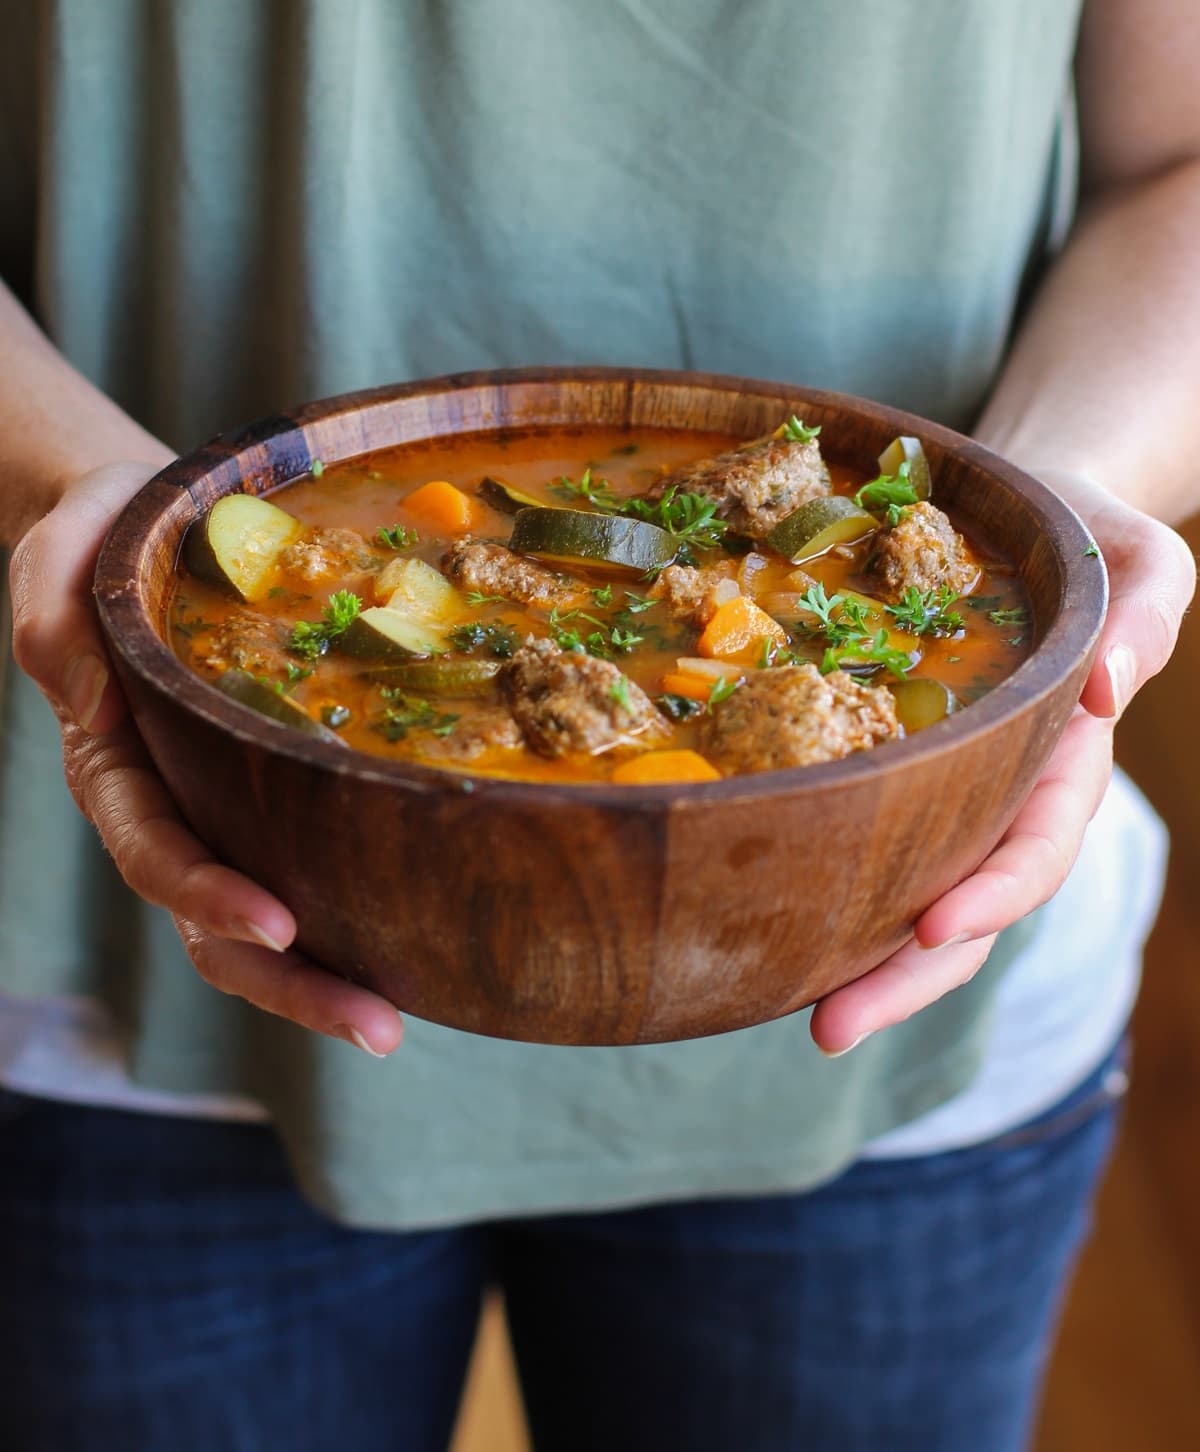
[236, 933]
[1152, 576]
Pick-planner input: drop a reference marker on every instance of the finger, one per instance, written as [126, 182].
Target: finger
[910, 980]
[1033, 858]
[56, 633]
[117, 788]
[288, 985]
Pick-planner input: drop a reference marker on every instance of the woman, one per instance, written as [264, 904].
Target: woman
[737, 1242]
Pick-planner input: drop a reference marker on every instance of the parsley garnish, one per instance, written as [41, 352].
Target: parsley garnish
[1018, 615]
[475, 597]
[405, 713]
[396, 538]
[603, 595]
[316, 468]
[638, 603]
[624, 640]
[841, 619]
[689, 518]
[310, 638]
[678, 708]
[888, 492]
[928, 612]
[298, 673]
[874, 651]
[1092, 551]
[722, 688]
[619, 691]
[596, 491]
[498, 639]
[796, 432]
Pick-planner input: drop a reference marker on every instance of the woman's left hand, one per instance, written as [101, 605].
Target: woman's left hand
[1152, 576]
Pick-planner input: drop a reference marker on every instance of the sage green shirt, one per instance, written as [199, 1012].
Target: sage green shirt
[220, 207]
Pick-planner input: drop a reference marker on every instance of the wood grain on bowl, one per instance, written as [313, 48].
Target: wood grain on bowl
[598, 914]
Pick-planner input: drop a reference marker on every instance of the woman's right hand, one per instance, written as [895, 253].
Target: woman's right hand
[235, 932]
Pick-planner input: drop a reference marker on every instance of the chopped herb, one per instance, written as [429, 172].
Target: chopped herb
[638, 603]
[888, 492]
[316, 468]
[953, 659]
[841, 619]
[678, 708]
[336, 716]
[722, 688]
[1017, 640]
[689, 518]
[874, 651]
[405, 713]
[624, 640]
[474, 597]
[276, 686]
[1018, 615]
[768, 649]
[626, 449]
[619, 691]
[984, 602]
[927, 612]
[397, 537]
[298, 673]
[310, 638]
[1092, 551]
[796, 432]
[498, 639]
[277, 592]
[597, 492]
[603, 595]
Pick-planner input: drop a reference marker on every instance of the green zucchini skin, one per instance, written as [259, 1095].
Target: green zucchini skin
[580, 537]
[445, 677]
[818, 525]
[248, 690]
[504, 497]
[238, 543]
[385, 634]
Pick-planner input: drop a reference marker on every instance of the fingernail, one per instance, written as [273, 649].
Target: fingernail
[1122, 672]
[352, 1036]
[949, 943]
[83, 686]
[837, 1053]
[252, 933]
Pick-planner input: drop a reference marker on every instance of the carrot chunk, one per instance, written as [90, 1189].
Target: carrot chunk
[736, 632]
[696, 688]
[441, 508]
[664, 766]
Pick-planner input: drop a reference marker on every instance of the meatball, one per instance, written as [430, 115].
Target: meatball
[326, 552]
[692, 595]
[493, 569]
[490, 728]
[248, 641]
[754, 486]
[794, 716]
[922, 551]
[567, 701]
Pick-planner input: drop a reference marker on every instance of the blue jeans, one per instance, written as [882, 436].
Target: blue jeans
[165, 1289]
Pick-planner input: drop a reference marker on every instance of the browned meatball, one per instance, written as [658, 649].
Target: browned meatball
[568, 701]
[490, 728]
[493, 569]
[692, 595]
[756, 485]
[794, 716]
[327, 552]
[248, 641]
[922, 551]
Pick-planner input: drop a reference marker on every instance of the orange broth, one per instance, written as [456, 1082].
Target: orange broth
[369, 492]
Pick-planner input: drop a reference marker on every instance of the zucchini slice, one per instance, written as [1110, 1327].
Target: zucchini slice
[389, 634]
[417, 589]
[248, 690]
[443, 677]
[238, 543]
[819, 525]
[574, 537]
[921, 703]
[505, 498]
[907, 450]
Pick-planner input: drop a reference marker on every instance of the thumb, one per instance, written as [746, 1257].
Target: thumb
[56, 632]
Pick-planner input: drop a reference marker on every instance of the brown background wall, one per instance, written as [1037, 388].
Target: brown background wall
[1126, 1377]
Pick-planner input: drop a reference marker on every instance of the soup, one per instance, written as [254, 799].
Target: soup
[589, 605]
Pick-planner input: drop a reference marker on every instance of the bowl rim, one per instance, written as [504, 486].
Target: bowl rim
[129, 631]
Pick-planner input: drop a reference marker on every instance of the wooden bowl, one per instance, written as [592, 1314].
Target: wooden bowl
[598, 914]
